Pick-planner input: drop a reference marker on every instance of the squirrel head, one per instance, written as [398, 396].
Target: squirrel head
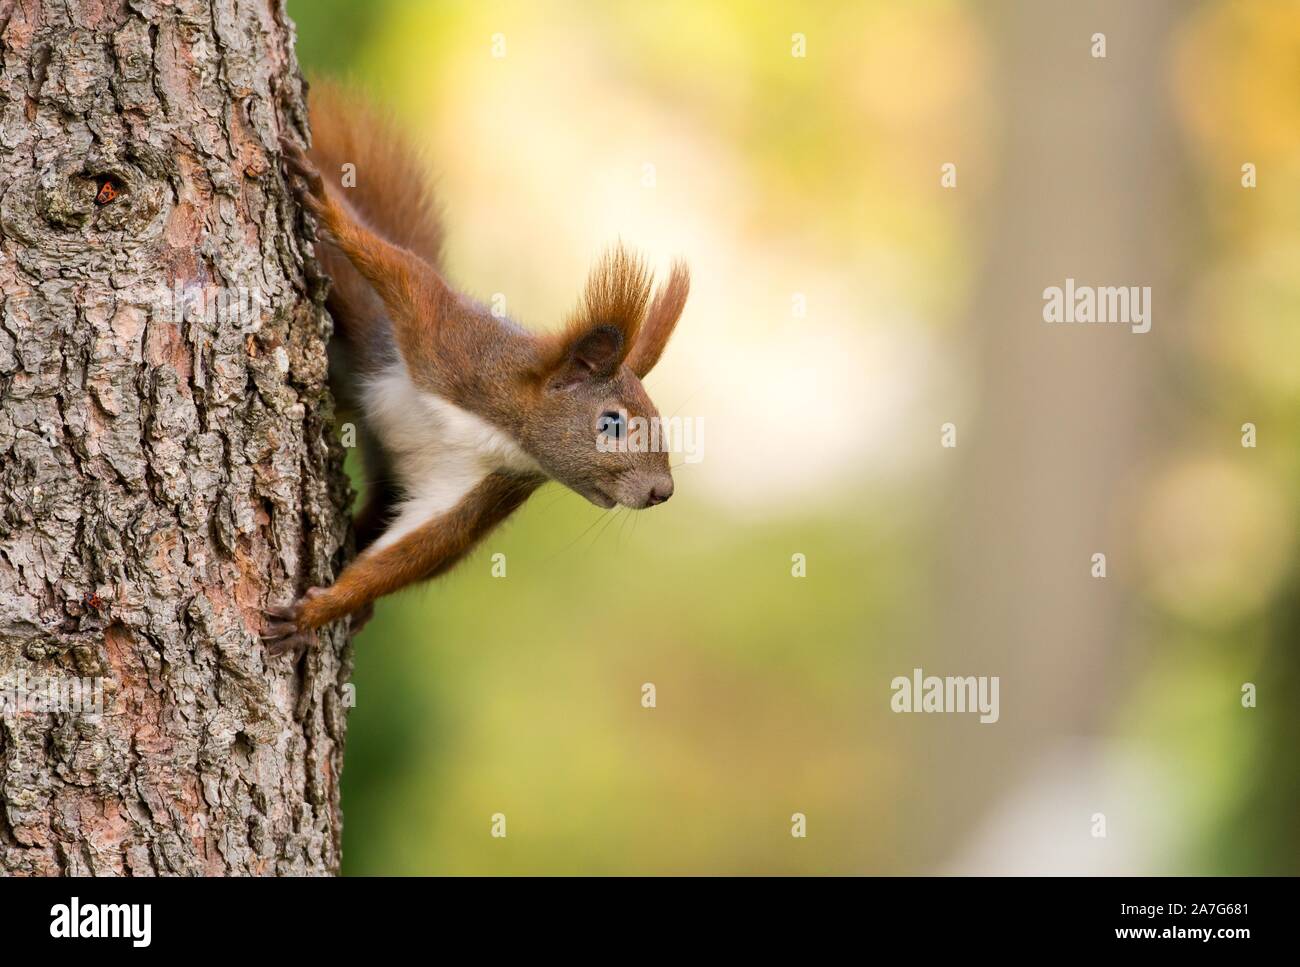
[591, 425]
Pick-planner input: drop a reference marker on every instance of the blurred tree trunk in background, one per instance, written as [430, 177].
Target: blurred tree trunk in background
[163, 478]
[1087, 188]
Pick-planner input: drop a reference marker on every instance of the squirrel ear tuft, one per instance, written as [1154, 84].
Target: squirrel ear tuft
[660, 321]
[604, 327]
[617, 293]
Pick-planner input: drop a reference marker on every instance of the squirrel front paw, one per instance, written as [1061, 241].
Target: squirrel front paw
[287, 629]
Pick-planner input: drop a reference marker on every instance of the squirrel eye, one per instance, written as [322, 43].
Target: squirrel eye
[612, 424]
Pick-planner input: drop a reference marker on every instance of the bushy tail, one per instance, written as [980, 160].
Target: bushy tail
[391, 192]
[387, 188]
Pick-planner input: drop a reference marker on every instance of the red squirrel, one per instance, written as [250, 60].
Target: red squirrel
[463, 414]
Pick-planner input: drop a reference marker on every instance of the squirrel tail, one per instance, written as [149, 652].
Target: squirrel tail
[389, 192]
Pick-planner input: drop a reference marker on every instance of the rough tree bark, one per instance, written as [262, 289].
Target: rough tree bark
[163, 477]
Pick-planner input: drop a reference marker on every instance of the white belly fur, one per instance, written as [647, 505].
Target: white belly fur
[438, 450]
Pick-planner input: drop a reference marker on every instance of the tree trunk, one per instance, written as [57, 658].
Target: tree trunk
[164, 474]
[1087, 192]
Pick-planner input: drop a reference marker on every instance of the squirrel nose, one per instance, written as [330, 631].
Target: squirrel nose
[660, 492]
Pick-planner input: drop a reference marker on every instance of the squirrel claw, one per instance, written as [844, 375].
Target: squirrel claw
[283, 633]
[295, 158]
[293, 645]
[311, 192]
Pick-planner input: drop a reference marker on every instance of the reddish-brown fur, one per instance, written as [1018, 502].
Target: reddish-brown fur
[422, 554]
[547, 393]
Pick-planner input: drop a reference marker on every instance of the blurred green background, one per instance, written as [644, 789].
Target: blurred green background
[844, 306]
